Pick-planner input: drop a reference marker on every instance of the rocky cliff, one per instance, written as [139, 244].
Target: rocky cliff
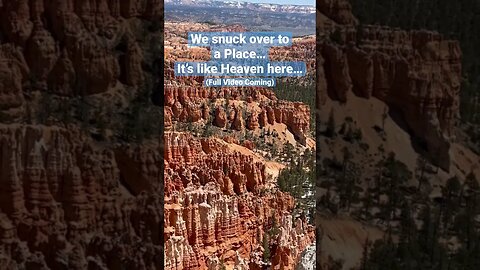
[186, 100]
[387, 112]
[417, 73]
[68, 47]
[223, 207]
[65, 203]
[218, 207]
[67, 198]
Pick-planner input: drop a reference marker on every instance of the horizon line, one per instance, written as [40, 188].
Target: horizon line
[258, 2]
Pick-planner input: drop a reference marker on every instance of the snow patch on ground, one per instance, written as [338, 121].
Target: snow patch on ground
[307, 259]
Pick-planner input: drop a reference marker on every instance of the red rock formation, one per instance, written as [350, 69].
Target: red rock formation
[185, 106]
[12, 196]
[133, 64]
[185, 96]
[238, 122]
[141, 166]
[219, 202]
[220, 117]
[63, 197]
[321, 83]
[78, 45]
[215, 202]
[41, 54]
[57, 188]
[249, 144]
[13, 71]
[339, 11]
[417, 73]
[336, 72]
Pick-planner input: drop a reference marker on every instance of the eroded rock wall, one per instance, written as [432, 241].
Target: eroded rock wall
[70, 47]
[417, 73]
[218, 206]
[64, 205]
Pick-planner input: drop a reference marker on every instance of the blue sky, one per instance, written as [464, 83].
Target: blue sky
[288, 2]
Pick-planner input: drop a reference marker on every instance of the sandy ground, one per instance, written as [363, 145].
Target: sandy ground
[367, 113]
[464, 161]
[344, 239]
[272, 168]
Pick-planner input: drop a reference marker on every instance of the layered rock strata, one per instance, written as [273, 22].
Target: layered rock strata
[218, 206]
[417, 73]
[64, 203]
[66, 200]
[221, 198]
[186, 100]
[70, 47]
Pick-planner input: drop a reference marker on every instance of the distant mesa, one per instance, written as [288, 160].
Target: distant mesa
[247, 5]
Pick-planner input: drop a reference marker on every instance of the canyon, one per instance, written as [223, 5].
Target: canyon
[73, 195]
[417, 73]
[399, 92]
[89, 182]
[222, 201]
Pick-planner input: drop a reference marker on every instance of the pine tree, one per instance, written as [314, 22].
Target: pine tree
[364, 262]
[266, 248]
[420, 171]
[331, 126]
[222, 265]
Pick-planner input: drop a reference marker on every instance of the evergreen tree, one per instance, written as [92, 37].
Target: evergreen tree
[266, 248]
[331, 126]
